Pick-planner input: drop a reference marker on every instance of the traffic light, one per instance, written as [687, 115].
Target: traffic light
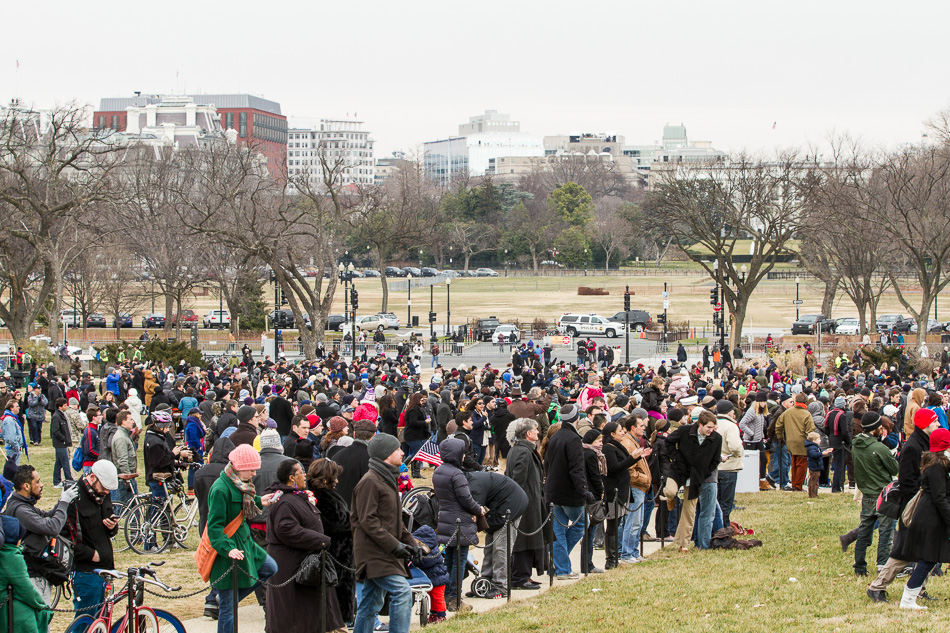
[714, 296]
[626, 302]
[283, 297]
[661, 318]
[431, 317]
[717, 318]
[354, 298]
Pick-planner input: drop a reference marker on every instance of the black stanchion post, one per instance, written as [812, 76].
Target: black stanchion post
[235, 594]
[585, 555]
[458, 565]
[663, 519]
[551, 549]
[10, 608]
[323, 592]
[509, 549]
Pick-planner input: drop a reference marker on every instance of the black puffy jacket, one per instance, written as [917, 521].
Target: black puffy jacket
[455, 497]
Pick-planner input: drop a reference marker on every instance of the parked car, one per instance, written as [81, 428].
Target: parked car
[96, 320]
[847, 326]
[217, 318]
[933, 326]
[891, 322]
[467, 273]
[412, 270]
[369, 322]
[124, 320]
[809, 324]
[391, 320]
[334, 322]
[188, 317]
[639, 319]
[71, 318]
[371, 273]
[428, 271]
[484, 328]
[510, 332]
[153, 319]
[451, 274]
[485, 272]
[589, 325]
[285, 319]
[392, 271]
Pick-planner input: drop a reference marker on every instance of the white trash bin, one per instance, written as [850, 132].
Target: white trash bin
[748, 480]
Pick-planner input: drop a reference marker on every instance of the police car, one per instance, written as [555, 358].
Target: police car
[589, 325]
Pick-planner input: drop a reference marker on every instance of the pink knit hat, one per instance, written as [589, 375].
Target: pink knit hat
[244, 457]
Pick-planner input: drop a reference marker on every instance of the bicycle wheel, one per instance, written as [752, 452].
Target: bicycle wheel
[168, 623]
[55, 594]
[80, 624]
[99, 626]
[120, 510]
[149, 529]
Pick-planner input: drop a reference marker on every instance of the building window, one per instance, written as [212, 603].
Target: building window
[102, 121]
[243, 122]
[115, 122]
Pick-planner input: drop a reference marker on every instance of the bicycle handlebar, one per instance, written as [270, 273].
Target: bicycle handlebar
[157, 583]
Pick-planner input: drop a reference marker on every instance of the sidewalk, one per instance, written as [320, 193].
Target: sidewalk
[251, 617]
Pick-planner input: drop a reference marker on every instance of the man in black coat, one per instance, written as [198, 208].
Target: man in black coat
[566, 488]
[323, 408]
[500, 495]
[838, 425]
[697, 453]
[300, 428]
[228, 417]
[908, 483]
[62, 441]
[354, 459]
[281, 411]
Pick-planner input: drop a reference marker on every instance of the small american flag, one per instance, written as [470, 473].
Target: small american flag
[429, 453]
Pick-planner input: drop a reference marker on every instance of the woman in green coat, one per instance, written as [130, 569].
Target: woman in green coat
[29, 610]
[231, 495]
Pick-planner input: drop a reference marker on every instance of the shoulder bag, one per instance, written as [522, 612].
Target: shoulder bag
[309, 572]
[205, 554]
[908, 515]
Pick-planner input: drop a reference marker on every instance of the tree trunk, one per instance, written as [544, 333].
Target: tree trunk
[169, 306]
[57, 305]
[534, 259]
[828, 300]
[607, 261]
[467, 257]
[737, 319]
[382, 279]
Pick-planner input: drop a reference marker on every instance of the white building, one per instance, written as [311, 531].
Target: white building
[485, 138]
[339, 139]
[174, 120]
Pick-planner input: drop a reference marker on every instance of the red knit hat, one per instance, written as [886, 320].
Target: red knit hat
[939, 440]
[924, 418]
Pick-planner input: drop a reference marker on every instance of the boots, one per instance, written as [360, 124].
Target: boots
[611, 542]
[909, 599]
[848, 539]
[765, 485]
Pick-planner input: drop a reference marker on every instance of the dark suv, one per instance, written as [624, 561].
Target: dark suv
[283, 319]
[335, 322]
[639, 319]
[392, 271]
[484, 328]
[809, 324]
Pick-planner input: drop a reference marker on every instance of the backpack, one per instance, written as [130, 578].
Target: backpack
[54, 563]
[889, 501]
[77, 458]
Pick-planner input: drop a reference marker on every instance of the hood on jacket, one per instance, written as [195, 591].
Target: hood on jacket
[451, 451]
[207, 412]
[427, 536]
[918, 396]
[864, 440]
[148, 374]
[447, 397]
[222, 448]
[817, 411]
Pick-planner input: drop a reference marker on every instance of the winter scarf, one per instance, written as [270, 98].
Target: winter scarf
[249, 508]
[601, 460]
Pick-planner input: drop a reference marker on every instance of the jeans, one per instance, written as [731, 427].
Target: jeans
[727, 493]
[413, 448]
[125, 492]
[630, 536]
[371, 601]
[226, 606]
[869, 517]
[701, 524]
[455, 577]
[781, 460]
[435, 361]
[673, 518]
[36, 429]
[919, 575]
[89, 590]
[648, 505]
[479, 453]
[838, 457]
[717, 523]
[566, 538]
[158, 498]
[495, 563]
[61, 467]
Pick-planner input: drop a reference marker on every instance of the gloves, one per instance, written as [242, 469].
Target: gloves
[403, 551]
[589, 496]
[69, 494]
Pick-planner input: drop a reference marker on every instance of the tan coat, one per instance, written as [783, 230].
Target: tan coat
[916, 401]
[793, 426]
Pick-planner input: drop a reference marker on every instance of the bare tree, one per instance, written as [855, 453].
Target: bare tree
[749, 207]
[611, 230]
[53, 172]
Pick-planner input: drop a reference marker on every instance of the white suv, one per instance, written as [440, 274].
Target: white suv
[217, 318]
[391, 320]
[589, 325]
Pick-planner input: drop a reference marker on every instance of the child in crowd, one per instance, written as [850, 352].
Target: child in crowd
[433, 565]
[815, 455]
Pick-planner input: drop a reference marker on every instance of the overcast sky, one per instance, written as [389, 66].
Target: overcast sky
[414, 70]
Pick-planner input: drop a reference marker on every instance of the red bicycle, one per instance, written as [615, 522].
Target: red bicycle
[137, 618]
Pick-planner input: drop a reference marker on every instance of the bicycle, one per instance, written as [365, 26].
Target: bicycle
[153, 524]
[143, 619]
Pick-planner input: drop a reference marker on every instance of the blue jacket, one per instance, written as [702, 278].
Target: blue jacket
[112, 383]
[814, 455]
[941, 416]
[13, 437]
[195, 438]
[89, 443]
[7, 490]
[186, 404]
[431, 564]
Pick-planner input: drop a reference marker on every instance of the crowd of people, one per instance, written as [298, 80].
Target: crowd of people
[286, 460]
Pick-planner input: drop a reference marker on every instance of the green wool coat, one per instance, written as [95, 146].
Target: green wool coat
[28, 605]
[224, 503]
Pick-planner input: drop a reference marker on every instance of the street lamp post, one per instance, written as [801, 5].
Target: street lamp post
[409, 301]
[349, 271]
[797, 282]
[420, 258]
[431, 308]
[506, 262]
[448, 304]
[346, 298]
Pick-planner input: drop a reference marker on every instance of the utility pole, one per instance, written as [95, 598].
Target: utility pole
[626, 322]
[666, 304]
